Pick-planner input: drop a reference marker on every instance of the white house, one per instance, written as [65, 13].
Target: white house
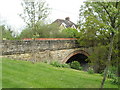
[65, 23]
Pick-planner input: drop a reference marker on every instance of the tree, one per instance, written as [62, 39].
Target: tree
[70, 33]
[26, 33]
[34, 11]
[99, 23]
[41, 30]
[6, 33]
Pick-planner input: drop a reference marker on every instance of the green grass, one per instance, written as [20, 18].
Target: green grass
[23, 74]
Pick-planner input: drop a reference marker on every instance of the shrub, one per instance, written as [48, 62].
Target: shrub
[75, 65]
[56, 64]
[115, 81]
[45, 61]
[65, 65]
[113, 70]
[90, 70]
[80, 68]
[112, 73]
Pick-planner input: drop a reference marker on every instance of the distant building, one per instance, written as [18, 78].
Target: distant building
[65, 23]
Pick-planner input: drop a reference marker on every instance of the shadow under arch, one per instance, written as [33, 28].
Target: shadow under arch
[80, 56]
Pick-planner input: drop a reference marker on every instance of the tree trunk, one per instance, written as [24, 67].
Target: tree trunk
[109, 59]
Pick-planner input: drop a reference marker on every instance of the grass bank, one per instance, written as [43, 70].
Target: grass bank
[23, 74]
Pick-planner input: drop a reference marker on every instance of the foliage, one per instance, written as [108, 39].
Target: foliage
[100, 25]
[57, 64]
[75, 65]
[6, 33]
[42, 30]
[113, 71]
[98, 58]
[115, 80]
[24, 74]
[113, 75]
[97, 27]
[90, 70]
[96, 20]
[26, 33]
[110, 74]
[70, 32]
[65, 65]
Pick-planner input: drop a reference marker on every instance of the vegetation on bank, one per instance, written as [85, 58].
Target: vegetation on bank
[24, 74]
[112, 72]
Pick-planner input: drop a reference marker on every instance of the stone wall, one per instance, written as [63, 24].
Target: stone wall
[28, 46]
[42, 50]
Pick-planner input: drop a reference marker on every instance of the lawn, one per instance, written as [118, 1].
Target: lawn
[23, 74]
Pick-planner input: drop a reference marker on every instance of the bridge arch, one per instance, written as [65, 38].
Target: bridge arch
[80, 56]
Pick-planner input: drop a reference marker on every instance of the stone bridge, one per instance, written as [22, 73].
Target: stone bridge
[64, 50]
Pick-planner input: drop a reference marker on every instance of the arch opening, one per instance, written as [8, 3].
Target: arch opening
[81, 58]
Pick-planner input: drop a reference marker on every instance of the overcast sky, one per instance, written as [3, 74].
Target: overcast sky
[9, 10]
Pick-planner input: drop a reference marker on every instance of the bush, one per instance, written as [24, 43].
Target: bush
[90, 70]
[75, 65]
[112, 73]
[115, 81]
[45, 61]
[80, 68]
[65, 65]
[56, 64]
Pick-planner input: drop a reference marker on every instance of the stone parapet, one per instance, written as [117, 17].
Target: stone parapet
[10, 47]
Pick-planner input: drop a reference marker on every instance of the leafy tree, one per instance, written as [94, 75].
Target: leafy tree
[42, 30]
[75, 65]
[26, 33]
[6, 33]
[70, 33]
[48, 30]
[34, 11]
[99, 24]
[98, 58]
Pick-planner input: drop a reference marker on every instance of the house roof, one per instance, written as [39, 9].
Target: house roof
[66, 21]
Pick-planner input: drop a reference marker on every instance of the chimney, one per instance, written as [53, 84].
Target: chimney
[67, 18]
